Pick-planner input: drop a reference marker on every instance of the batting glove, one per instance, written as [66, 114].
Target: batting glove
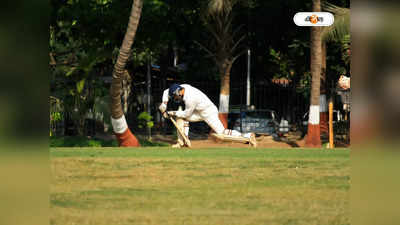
[171, 113]
[162, 108]
[165, 115]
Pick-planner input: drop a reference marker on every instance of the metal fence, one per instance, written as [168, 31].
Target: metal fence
[282, 99]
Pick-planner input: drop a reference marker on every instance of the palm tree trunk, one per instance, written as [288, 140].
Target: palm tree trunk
[124, 135]
[225, 73]
[323, 106]
[313, 133]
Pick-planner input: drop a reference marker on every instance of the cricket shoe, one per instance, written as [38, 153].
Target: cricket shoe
[252, 140]
[177, 145]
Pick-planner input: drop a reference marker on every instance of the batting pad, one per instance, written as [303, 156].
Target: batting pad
[224, 137]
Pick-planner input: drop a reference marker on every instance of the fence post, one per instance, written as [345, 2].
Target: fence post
[331, 144]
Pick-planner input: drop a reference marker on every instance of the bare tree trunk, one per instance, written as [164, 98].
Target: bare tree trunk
[126, 83]
[124, 135]
[225, 73]
[313, 134]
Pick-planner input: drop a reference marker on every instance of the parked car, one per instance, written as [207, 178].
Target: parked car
[262, 121]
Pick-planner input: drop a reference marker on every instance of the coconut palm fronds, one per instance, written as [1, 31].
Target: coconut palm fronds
[341, 26]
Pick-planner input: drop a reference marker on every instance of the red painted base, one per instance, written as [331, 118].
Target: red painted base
[324, 126]
[127, 139]
[224, 119]
[313, 139]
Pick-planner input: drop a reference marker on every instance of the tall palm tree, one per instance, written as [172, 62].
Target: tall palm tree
[223, 48]
[339, 31]
[124, 135]
[313, 133]
[341, 26]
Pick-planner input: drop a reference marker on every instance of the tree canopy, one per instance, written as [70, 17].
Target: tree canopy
[85, 37]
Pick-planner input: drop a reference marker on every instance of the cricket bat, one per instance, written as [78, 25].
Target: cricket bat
[185, 138]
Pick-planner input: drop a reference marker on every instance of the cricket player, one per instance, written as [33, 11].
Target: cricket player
[198, 107]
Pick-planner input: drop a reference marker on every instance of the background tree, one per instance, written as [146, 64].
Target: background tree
[223, 47]
[74, 62]
[121, 129]
[313, 133]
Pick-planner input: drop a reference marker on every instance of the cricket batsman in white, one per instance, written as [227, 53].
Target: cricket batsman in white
[198, 107]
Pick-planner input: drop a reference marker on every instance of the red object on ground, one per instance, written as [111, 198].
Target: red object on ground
[127, 139]
[313, 136]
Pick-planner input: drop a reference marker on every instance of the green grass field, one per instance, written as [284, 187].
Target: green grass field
[113, 186]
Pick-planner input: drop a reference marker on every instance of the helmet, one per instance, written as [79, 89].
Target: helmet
[174, 89]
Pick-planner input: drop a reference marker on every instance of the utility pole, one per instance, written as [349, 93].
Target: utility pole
[248, 79]
[149, 94]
